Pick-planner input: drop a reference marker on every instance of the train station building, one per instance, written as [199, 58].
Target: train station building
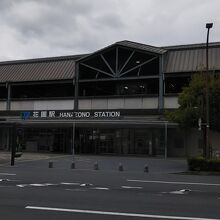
[111, 101]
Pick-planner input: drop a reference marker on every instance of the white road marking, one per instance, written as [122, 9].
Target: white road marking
[86, 184]
[8, 174]
[101, 188]
[42, 184]
[117, 213]
[70, 183]
[131, 187]
[179, 183]
[4, 180]
[179, 192]
[8, 180]
[22, 185]
[37, 185]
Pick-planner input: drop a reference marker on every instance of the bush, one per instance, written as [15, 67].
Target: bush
[202, 164]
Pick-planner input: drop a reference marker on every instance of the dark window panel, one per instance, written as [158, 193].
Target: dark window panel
[137, 59]
[97, 89]
[97, 62]
[104, 65]
[110, 57]
[123, 55]
[43, 91]
[88, 73]
[3, 92]
[175, 84]
[112, 88]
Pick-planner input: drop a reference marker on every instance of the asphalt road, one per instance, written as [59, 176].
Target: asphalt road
[31, 190]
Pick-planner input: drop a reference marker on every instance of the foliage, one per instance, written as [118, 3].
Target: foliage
[202, 164]
[192, 103]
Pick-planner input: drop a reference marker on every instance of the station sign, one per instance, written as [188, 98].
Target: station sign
[52, 114]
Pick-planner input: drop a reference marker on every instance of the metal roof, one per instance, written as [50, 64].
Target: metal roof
[53, 68]
[128, 44]
[191, 46]
[191, 59]
[139, 46]
[177, 59]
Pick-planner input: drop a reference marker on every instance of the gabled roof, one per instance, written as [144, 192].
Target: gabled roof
[144, 47]
[129, 44]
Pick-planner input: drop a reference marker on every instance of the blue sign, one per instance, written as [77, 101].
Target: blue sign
[25, 115]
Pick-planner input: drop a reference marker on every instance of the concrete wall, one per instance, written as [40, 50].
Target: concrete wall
[89, 104]
[3, 106]
[119, 103]
[43, 105]
[171, 102]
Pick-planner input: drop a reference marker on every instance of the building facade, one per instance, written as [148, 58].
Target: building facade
[109, 102]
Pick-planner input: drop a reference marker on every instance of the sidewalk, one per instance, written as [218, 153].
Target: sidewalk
[86, 162]
[5, 157]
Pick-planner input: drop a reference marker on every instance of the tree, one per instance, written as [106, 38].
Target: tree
[192, 103]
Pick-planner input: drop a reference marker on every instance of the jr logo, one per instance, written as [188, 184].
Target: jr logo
[25, 115]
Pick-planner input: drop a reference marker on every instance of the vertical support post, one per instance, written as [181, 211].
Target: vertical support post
[76, 104]
[13, 147]
[8, 106]
[161, 85]
[73, 141]
[76, 96]
[165, 140]
[116, 62]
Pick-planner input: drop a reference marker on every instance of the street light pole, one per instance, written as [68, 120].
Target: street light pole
[207, 150]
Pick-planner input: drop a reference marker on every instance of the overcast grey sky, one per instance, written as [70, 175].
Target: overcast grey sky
[42, 28]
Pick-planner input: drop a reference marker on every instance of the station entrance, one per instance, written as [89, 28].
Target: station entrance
[140, 141]
[88, 139]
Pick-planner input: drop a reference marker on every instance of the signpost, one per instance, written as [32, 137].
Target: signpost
[13, 146]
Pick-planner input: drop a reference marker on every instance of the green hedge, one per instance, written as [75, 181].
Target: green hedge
[202, 164]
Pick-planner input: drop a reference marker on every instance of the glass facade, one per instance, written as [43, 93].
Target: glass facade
[101, 140]
[47, 139]
[143, 141]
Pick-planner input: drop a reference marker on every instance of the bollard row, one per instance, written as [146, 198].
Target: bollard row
[96, 166]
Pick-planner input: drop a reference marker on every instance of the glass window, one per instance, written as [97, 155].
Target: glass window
[3, 92]
[139, 87]
[175, 84]
[112, 88]
[43, 91]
